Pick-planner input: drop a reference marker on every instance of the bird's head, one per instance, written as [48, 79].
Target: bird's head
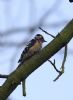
[40, 38]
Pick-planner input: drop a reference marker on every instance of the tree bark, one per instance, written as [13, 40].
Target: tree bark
[36, 61]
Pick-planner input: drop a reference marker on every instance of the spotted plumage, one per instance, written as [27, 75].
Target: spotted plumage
[32, 47]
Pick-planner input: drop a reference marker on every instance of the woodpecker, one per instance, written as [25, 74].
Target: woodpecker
[34, 46]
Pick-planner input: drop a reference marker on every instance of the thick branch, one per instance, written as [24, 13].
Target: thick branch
[37, 60]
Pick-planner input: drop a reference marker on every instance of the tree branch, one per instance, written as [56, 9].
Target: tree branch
[61, 71]
[37, 60]
[47, 32]
[63, 64]
[4, 76]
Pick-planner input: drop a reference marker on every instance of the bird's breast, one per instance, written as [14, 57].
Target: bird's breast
[36, 47]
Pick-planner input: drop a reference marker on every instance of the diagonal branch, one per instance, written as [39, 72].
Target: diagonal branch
[53, 64]
[37, 60]
[47, 32]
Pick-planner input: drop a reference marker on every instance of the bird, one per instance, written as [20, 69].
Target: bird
[33, 47]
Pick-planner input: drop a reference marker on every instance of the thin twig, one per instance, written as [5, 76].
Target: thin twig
[58, 76]
[63, 63]
[53, 64]
[47, 32]
[4, 76]
[64, 59]
[62, 67]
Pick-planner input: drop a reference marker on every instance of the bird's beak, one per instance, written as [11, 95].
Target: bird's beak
[44, 41]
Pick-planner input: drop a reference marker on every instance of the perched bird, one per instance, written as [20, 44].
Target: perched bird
[32, 47]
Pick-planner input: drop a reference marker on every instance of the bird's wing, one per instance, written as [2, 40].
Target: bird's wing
[30, 44]
[25, 51]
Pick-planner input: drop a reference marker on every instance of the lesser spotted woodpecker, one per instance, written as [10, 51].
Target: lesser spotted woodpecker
[32, 48]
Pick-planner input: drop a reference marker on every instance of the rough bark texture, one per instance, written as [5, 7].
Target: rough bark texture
[32, 64]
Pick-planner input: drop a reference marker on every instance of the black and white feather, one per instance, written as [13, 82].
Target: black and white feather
[31, 48]
[25, 54]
